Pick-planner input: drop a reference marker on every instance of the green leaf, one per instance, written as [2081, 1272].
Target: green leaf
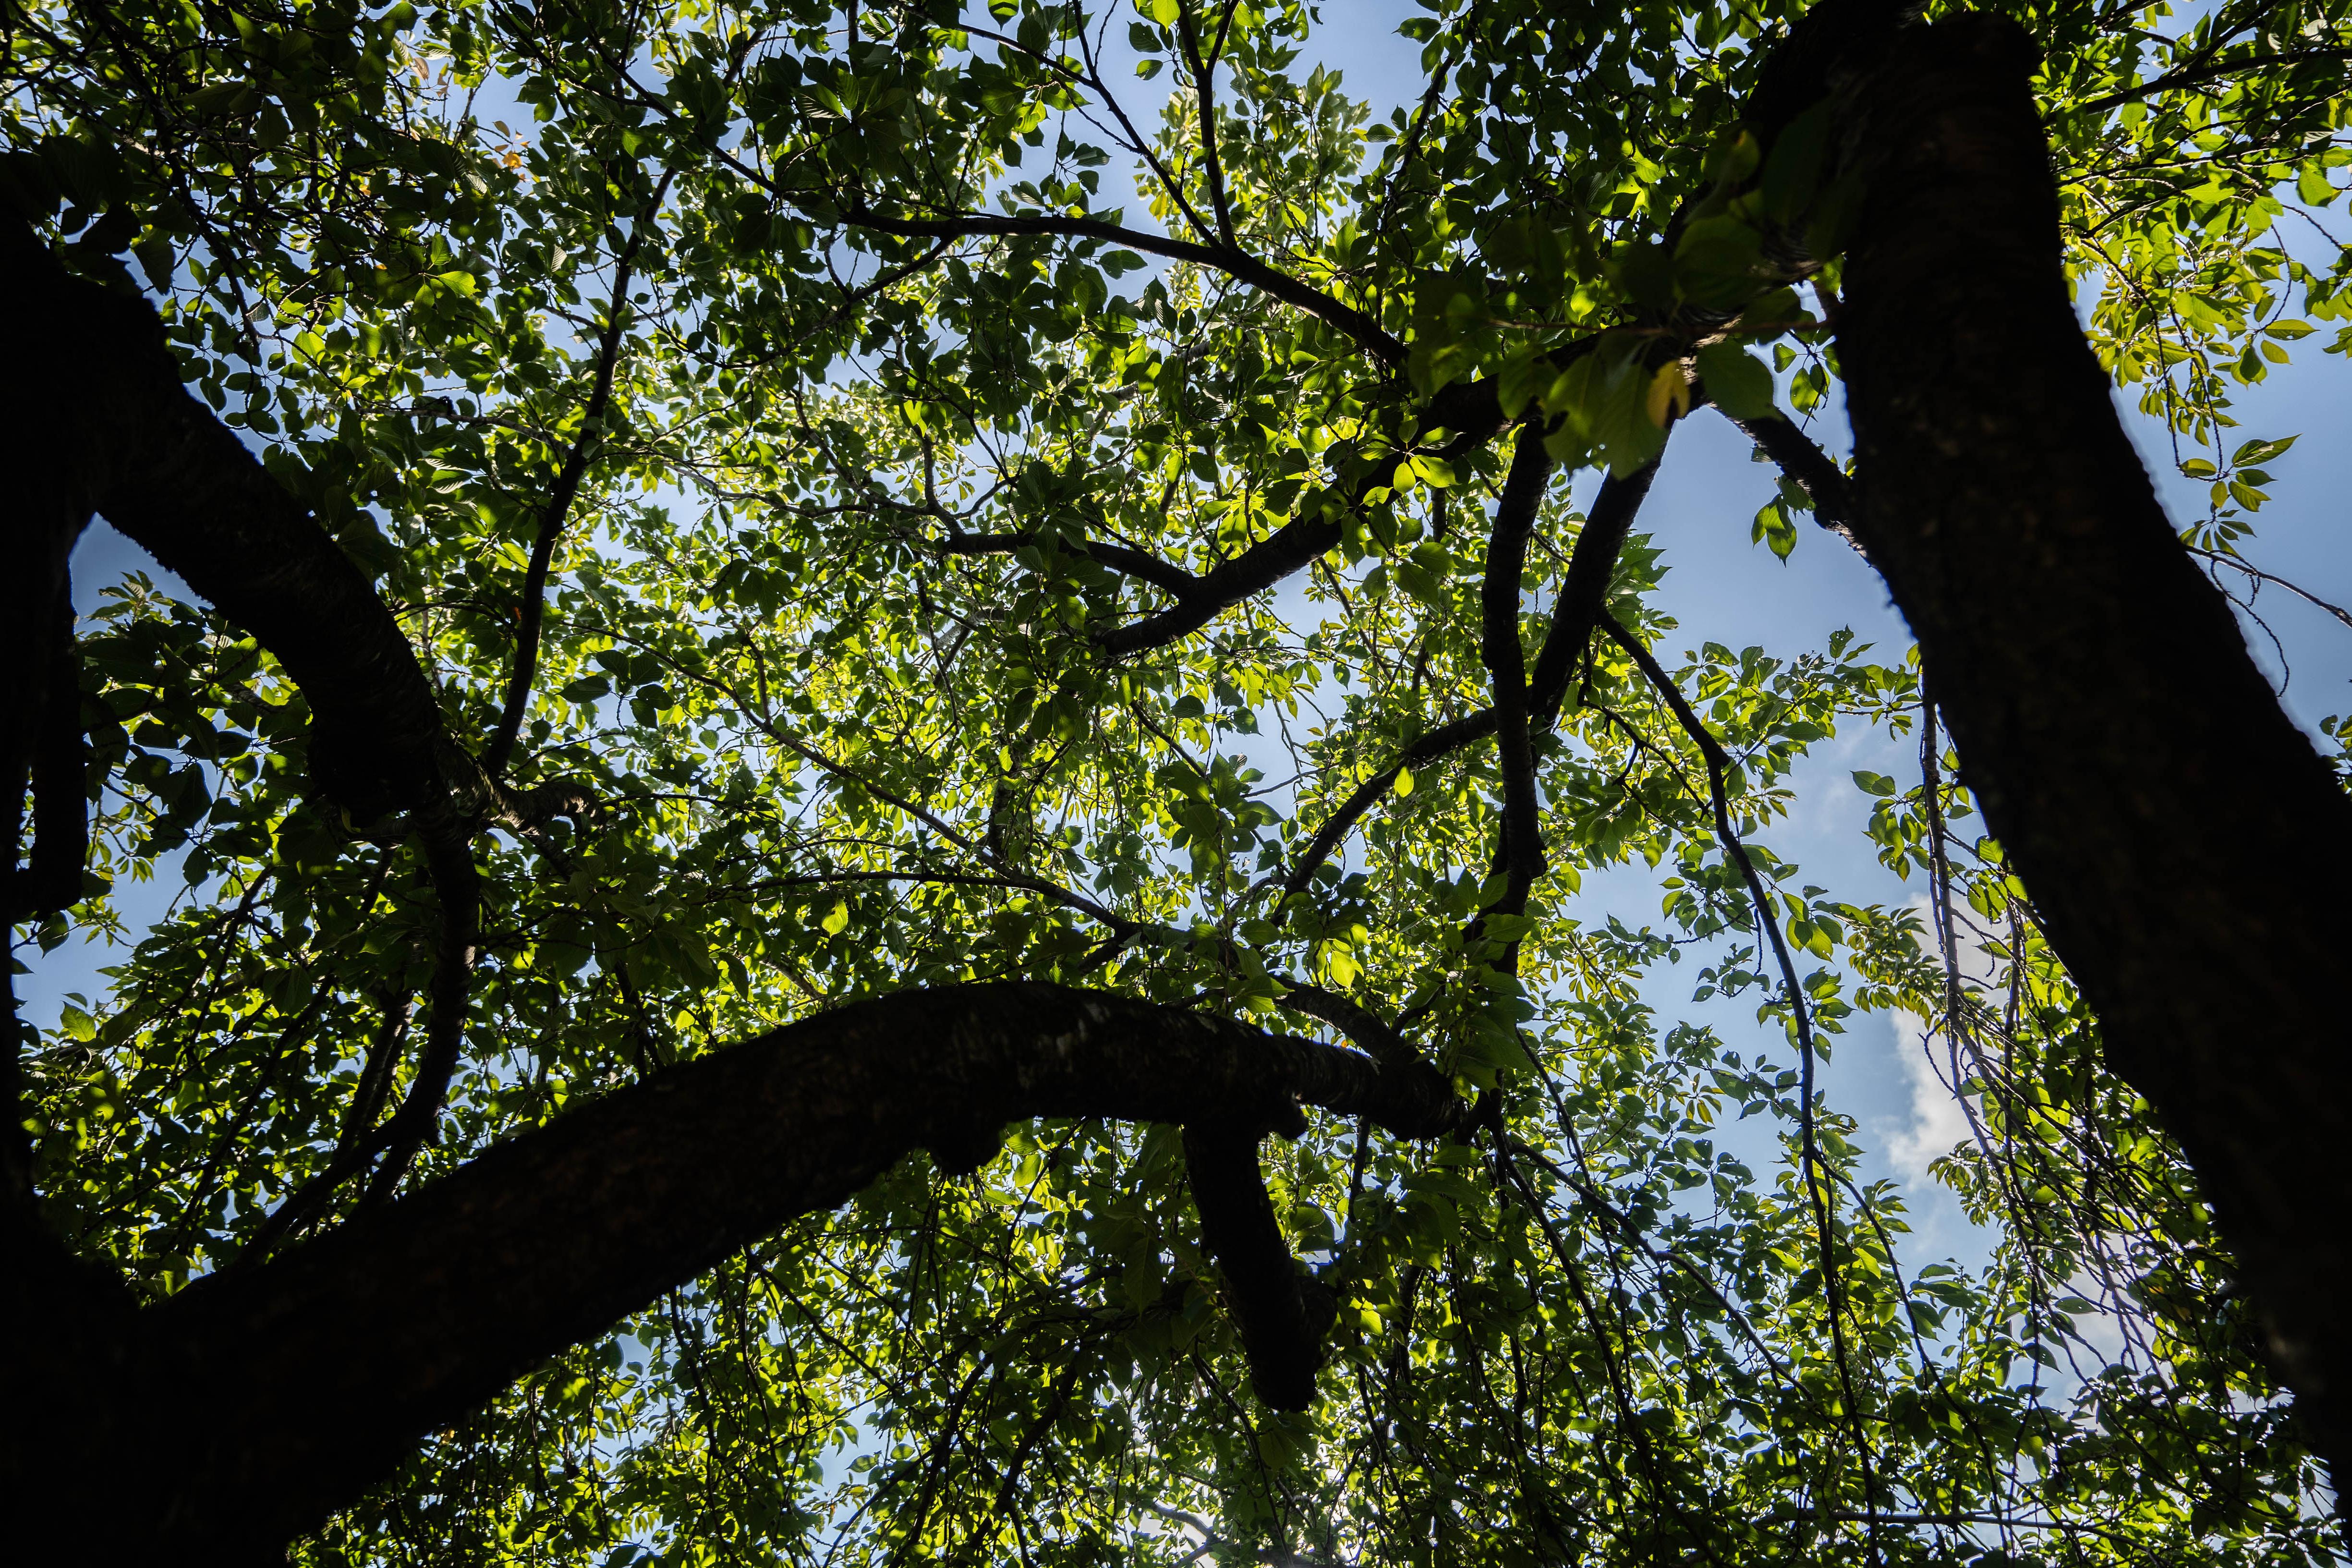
[1719, 262]
[1736, 381]
[1792, 170]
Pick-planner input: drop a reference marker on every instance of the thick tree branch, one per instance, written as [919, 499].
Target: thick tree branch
[164, 471]
[2186, 848]
[1522, 857]
[254, 1403]
[1280, 1312]
[1584, 593]
[1424, 1104]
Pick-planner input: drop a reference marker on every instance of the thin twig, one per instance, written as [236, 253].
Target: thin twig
[1717, 765]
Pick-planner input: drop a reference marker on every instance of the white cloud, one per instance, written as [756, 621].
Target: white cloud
[1938, 1122]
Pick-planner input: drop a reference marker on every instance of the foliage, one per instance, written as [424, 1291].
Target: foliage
[895, 400]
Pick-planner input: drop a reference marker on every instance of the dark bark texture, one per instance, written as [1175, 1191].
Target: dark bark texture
[1280, 1311]
[117, 434]
[2187, 851]
[251, 1406]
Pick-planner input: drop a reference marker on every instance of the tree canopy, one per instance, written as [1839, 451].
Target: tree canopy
[890, 718]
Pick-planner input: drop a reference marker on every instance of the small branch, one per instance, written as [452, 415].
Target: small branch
[1471, 410]
[397, 1141]
[410, 1128]
[1431, 746]
[1717, 765]
[1359, 328]
[1812, 470]
[1124, 559]
[2215, 558]
[376, 1073]
[1203, 86]
[2191, 76]
[533, 604]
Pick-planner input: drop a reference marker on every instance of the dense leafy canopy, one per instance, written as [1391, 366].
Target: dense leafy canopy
[990, 513]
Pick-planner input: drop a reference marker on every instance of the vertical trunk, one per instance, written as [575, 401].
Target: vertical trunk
[2188, 851]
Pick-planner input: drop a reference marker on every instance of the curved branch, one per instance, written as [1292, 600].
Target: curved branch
[170, 476]
[317, 1372]
[1472, 411]
[1290, 548]
[1359, 328]
[458, 886]
[1435, 743]
[1718, 764]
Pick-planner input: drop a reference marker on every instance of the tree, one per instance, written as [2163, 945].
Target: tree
[730, 605]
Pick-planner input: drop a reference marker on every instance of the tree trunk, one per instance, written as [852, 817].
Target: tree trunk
[2187, 852]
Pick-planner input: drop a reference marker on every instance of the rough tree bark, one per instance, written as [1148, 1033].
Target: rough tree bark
[2187, 851]
[107, 427]
[251, 1406]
